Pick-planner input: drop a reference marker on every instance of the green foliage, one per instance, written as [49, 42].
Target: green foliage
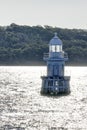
[25, 43]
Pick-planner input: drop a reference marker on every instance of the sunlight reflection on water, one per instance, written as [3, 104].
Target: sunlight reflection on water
[23, 108]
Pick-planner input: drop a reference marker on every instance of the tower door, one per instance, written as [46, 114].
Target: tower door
[55, 70]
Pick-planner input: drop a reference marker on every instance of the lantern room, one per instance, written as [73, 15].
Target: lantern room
[55, 46]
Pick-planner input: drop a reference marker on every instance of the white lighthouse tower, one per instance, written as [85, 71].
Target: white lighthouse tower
[55, 82]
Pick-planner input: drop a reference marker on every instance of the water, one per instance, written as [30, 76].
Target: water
[23, 108]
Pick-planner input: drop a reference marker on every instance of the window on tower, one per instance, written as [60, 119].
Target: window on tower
[55, 48]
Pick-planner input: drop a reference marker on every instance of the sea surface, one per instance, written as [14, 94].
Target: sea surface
[23, 108]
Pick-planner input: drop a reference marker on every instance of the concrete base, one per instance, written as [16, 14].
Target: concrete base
[55, 85]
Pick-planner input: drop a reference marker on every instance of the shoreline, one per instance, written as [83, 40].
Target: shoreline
[40, 63]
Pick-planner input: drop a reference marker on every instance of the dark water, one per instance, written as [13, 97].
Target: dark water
[23, 108]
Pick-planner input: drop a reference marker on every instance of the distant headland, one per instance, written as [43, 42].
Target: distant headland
[25, 45]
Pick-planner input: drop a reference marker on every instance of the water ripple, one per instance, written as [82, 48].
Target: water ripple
[23, 108]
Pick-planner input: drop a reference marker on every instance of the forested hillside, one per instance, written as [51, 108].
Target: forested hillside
[25, 45]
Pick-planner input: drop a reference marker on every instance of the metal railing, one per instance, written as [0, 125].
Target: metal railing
[46, 56]
[63, 55]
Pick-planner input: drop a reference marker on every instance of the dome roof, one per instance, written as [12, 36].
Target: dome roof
[55, 40]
